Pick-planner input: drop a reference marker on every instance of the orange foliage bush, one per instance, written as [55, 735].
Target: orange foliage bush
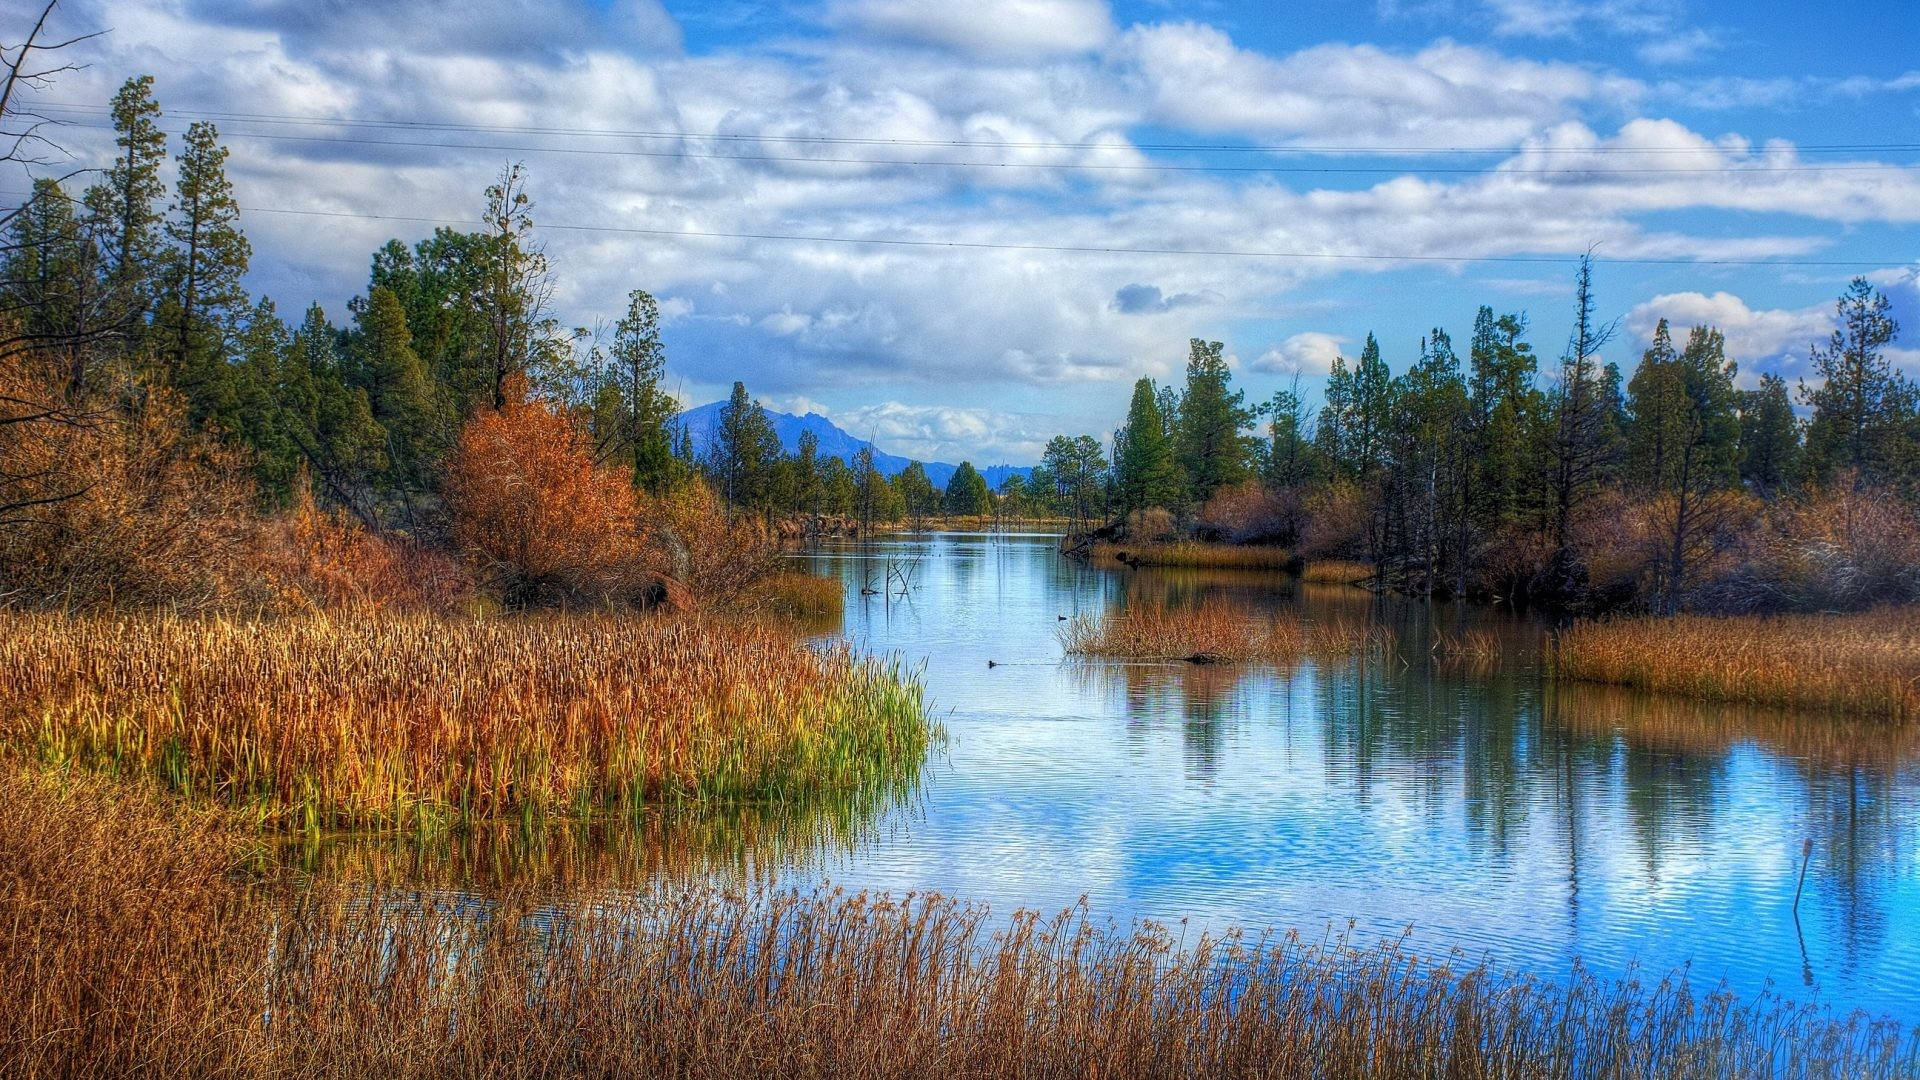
[317, 559]
[539, 521]
[1250, 512]
[1335, 522]
[109, 505]
[691, 540]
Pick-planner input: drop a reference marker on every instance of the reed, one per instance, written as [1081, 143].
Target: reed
[803, 596]
[416, 721]
[1193, 553]
[1335, 572]
[1219, 633]
[1866, 664]
[109, 975]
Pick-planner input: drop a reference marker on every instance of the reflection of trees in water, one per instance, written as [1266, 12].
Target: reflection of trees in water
[665, 843]
[1852, 774]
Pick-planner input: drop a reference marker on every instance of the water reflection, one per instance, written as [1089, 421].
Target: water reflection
[1446, 785]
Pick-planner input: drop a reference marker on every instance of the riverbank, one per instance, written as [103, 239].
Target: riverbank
[389, 721]
[140, 943]
[1194, 554]
[1865, 664]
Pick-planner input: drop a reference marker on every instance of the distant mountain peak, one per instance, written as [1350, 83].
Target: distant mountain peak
[701, 422]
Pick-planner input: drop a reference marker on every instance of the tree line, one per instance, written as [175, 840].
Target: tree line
[1486, 475]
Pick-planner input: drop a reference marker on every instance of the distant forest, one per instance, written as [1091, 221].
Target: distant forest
[137, 370]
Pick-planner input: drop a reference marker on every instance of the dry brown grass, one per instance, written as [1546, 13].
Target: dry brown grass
[1192, 553]
[804, 596]
[412, 721]
[1216, 632]
[1867, 664]
[1336, 572]
[131, 949]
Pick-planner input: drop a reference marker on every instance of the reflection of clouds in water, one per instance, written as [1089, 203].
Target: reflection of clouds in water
[1478, 802]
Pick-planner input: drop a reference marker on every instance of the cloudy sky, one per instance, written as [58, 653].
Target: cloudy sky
[958, 227]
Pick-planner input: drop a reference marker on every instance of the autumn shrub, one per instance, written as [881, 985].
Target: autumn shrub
[315, 559]
[117, 502]
[1334, 522]
[1251, 513]
[538, 520]
[720, 561]
[1838, 549]
[1151, 526]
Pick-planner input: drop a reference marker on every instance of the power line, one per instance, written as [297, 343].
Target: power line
[1266, 148]
[1599, 171]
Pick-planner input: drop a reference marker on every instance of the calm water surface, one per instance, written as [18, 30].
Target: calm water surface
[1474, 806]
[1485, 809]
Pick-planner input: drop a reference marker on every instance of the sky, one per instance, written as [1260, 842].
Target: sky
[959, 228]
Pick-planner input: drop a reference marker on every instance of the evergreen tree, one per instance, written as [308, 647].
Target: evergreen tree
[126, 203]
[1684, 440]
[640, 361]
[1769, 437]
[1507, 413]
[967, 493]
[329, 422]
[917, 492]
[744, 451]
[516, 286]
[1211, 417]
[400, 392]
[204, 297]
[1144, 474]
[1289, 461]
[806, 473]
[1860, 407]
[836, 488]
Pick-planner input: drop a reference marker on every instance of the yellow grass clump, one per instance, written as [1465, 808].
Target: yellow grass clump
[133, 947]
[1335, 572]
[1192, 553]
[1866, 664]
[1215, 633]
[416, 721]
[803, 596]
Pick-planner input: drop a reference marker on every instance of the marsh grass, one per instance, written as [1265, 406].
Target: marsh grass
[131, 947]
[1218, 632]
[1335, 572]
[1192, 553]
[803, 596]
[417, 722]
[1866, 664]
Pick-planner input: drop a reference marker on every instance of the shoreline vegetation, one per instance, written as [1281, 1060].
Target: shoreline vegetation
[1866, 664]
[143, 946]
[420, 722]
[1216, 634]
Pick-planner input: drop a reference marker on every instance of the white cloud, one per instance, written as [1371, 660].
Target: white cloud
[947, 433]
[1002, 29]
[1446, 94]
[1770, 339]
[1563, 18]
[1308, 353]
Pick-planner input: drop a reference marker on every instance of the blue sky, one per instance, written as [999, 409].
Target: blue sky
[1468, 149]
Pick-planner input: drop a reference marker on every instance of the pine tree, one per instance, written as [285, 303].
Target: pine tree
[640, 360]
[1769, 437]
[126, 203]
[744, 452]
[1585, 427]
[917, 491]
[401, 394]
[1684, 440]
[204, 297]
[329, 422]
[1860, 406]
[967, 494]
[1144, 473]
[1211, 417]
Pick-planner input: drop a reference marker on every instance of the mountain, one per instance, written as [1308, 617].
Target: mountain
[703, 421]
